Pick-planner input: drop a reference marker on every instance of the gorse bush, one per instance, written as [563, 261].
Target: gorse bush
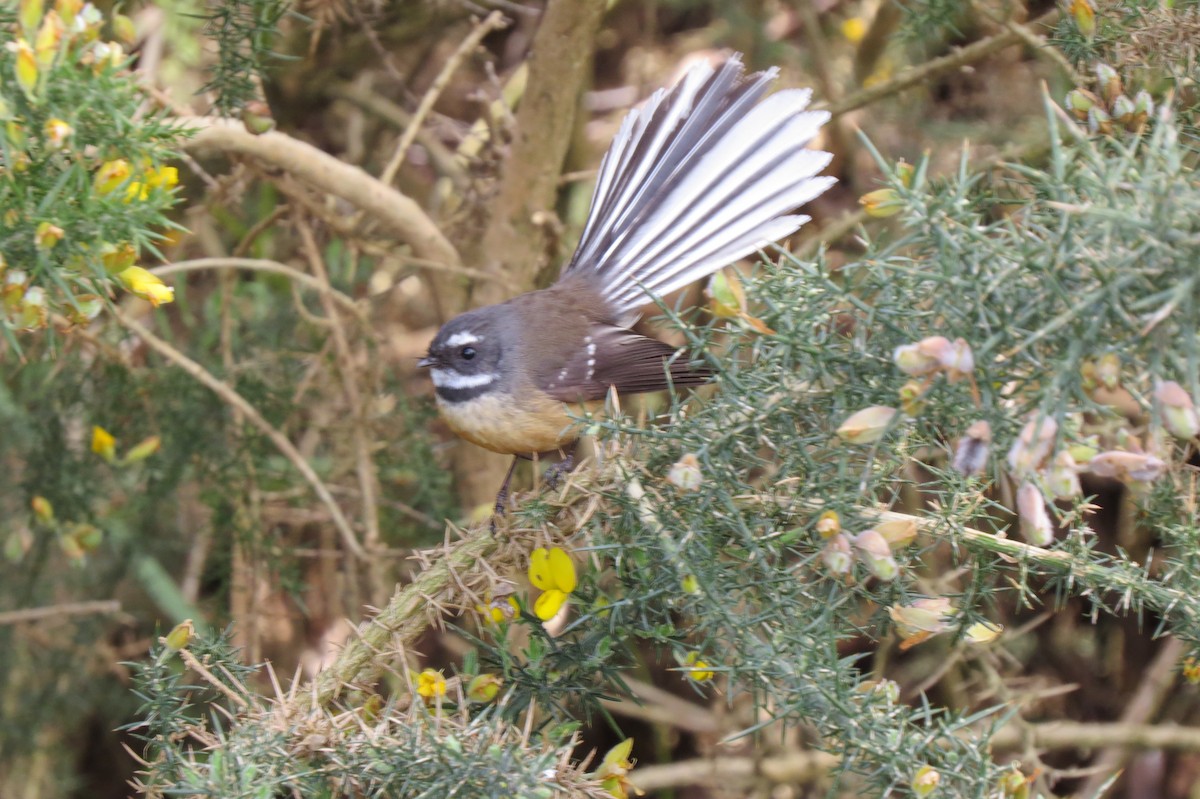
[85, 181]
[838, 556]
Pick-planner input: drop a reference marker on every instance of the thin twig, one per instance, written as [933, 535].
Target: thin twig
[236, 400]
[368, 480]
[95, 607]
[264, 265]
[1153, 687]
[975, 51]
[444, 160]
[493, 21]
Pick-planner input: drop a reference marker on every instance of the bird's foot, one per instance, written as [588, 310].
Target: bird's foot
[556, 471]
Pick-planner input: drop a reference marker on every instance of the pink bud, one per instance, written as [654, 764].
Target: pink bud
[1035, 521]
[1032, 446]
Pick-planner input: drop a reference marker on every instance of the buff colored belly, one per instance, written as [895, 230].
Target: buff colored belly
[502, 423]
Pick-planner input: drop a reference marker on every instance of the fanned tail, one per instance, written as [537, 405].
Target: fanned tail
[700, 176]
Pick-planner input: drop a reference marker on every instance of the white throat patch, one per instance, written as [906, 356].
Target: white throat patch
[448, 378]
[461, 339]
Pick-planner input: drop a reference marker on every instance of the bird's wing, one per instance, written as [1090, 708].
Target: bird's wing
[620, 358]
[700, 176]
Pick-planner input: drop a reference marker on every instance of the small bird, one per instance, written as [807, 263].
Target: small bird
[701, 175]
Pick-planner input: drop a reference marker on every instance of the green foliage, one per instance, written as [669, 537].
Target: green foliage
[407, 750]
[83, 183]
[243, 31]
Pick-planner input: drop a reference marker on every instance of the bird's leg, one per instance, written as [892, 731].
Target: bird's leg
[502, 494]
[555, 471]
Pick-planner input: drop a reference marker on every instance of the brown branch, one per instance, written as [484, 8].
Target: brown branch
[238, 402]
[493, 21]
[973, 52]
[514, 244]
[263, 265]
[99, 606]
[368, 479]
[444, 160]
[399, 214]
[1153, 688]
[398, 625]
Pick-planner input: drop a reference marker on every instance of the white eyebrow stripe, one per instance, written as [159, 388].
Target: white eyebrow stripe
[448, 378]
[459, 339]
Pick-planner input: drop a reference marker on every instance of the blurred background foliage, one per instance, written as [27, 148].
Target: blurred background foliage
[210, 411]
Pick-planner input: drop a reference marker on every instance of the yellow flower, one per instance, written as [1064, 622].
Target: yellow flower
[553, 572]
[484, 687]
[614, 771]
[698, 670]
[165, 176]
[47, 235]
[26, 68]
[103, 443]
[111, 175]
[881, 203]
[431, 684]
[42, 509]
[499, 609]
[180, 636]
[854, 29]
[1085, 17]
[146, 285]
[143, 449]
[926, 781]
[117, 257]
[57, 133]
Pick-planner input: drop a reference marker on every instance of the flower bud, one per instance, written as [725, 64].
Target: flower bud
[925, 781]
[923, 617]
[1108, 82]
[180, 636]
[915, 359]
[57, 132]
[256, 116]
[1178, 410]
[898, 533]
[911, 396]
[874, 553]
[1099, 121]
[1062, 478]
[905, 172]
[1014, 785]
[881, 203]
[868, 425]
[484, 687]
[1108, 370]
[1085, 17]
[685, 473]
[34, 311]
[971, 454]
[1079, 102]
[982, 632]
[42, 509]
[124, 29]
[829, 524]
[47, 235]
[1127, 466]
[26, 68]
[1143, 106]
[29, 12]
[837, 556]
[1123, 111]
[1032, 446]
[1036, 526]
[143, 449]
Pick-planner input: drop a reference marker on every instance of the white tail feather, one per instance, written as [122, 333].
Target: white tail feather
[702, 175]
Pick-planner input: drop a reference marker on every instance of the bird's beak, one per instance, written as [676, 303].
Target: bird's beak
[427, 361]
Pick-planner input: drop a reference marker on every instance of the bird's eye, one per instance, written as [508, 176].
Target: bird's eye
[467, 353]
